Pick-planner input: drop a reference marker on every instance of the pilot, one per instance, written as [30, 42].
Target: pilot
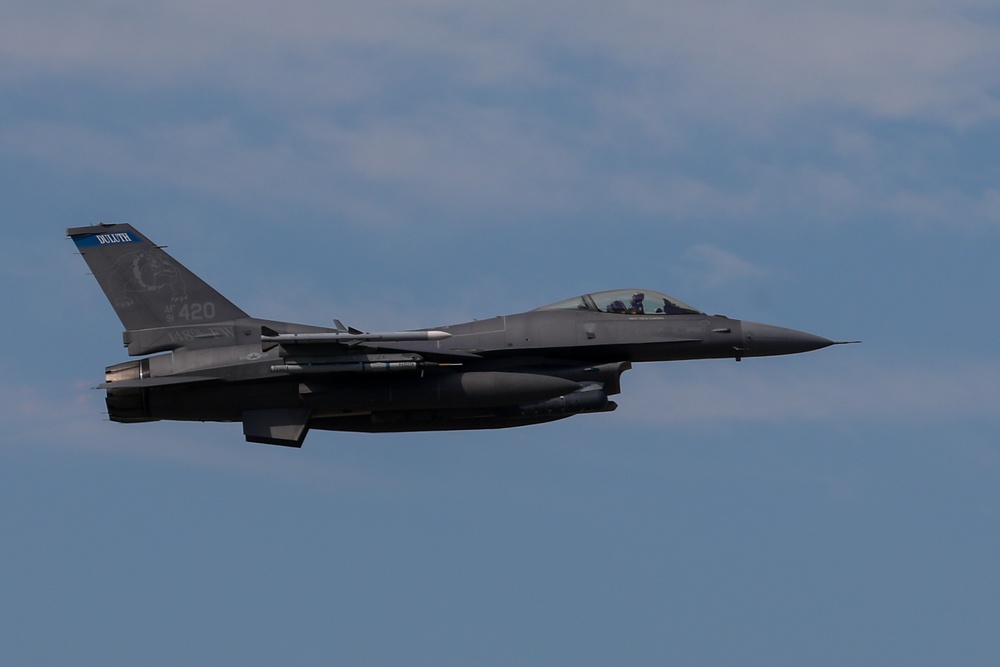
[635, 306]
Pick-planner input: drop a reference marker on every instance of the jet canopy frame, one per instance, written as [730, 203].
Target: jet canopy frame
[626, 301]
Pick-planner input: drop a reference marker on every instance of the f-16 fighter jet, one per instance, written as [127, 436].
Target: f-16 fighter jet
[204, 359]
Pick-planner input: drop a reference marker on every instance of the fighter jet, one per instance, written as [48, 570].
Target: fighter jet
[204, 359]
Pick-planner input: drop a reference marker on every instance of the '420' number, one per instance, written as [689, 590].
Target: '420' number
[193, 312]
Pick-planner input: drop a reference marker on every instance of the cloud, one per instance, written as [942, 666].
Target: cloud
[761, 60]
[723, 268]
[461, 159]
[918, 394]
[470, 157]
[383, 112]
[958, 209]
[732, 61]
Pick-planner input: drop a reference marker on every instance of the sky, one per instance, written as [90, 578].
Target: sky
[830, 167]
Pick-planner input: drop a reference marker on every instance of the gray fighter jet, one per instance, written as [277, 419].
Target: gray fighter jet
[281, 379]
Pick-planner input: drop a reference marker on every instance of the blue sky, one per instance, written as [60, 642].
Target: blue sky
[829, 167]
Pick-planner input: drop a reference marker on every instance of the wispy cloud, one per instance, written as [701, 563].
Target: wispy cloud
[376, 110]
[913, 394]
[730, 59]
[721, 267]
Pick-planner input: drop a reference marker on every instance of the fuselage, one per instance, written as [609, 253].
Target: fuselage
[500, 371]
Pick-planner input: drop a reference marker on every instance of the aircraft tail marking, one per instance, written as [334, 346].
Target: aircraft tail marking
[147, 287]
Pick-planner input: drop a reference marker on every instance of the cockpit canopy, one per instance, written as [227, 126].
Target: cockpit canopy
[628, 301]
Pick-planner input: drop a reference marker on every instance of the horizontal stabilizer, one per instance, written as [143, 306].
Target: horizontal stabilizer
[164, 381]
[283, 426]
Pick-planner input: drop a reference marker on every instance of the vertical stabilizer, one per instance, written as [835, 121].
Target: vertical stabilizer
[147, 287]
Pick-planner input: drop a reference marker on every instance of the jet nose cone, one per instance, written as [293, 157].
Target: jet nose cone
[761, 340]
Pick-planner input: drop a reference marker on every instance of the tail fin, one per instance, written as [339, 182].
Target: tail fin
[147, 287]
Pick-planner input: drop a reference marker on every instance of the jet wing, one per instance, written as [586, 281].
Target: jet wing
[351, 337]
[389, 341]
